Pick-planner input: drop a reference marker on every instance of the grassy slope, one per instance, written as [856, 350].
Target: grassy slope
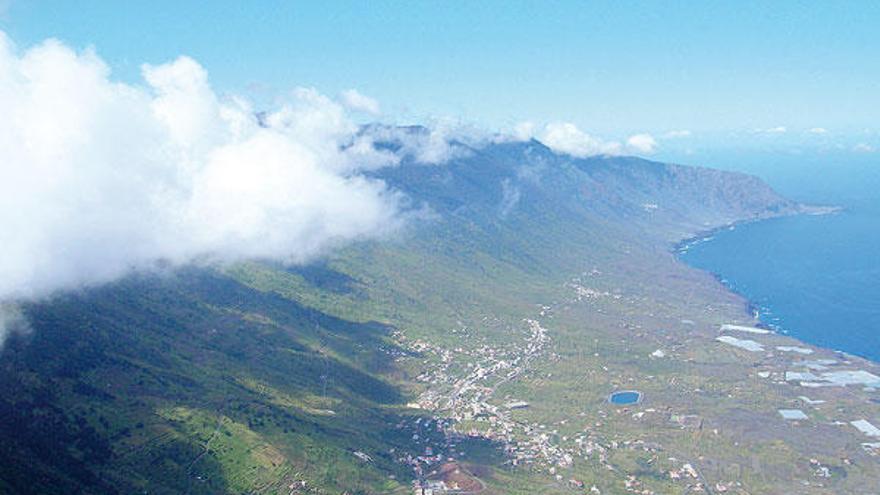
[255, 378]
[128, 384]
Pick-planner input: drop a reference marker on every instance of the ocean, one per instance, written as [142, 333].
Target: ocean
[816, 278]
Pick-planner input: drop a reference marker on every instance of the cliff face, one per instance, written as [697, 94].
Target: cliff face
[611, 184]
[520, 185]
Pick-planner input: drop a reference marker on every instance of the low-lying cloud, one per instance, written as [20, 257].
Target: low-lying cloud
[444, 140]
[642, 143]
[565, 137]
[100, 178]
[354, 100]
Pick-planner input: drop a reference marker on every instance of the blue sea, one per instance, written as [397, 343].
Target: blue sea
[816, 278]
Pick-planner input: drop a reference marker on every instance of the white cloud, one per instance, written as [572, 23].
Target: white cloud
[442, 141]
[818, 130]
[510, 196]
[642, 143]
[11, 321]
[565, 137]
[864, 148]
[524, 131]
[355, 101]
[98, 178]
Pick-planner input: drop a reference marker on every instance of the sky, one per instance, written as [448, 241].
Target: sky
[728, 72]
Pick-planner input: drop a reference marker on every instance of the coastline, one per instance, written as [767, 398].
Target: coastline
[708, 234]
[751, 307]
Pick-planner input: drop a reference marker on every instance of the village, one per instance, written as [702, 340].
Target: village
[460, 397]
[466, 406]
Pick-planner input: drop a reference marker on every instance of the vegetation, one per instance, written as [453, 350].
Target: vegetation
[259, 378]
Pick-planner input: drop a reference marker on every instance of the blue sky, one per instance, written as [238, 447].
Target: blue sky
[719, 69]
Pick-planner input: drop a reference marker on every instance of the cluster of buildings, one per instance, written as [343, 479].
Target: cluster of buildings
[461, 395]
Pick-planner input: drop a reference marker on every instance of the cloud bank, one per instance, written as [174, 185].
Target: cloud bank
[100, 178]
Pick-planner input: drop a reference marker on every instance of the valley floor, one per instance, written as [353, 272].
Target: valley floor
[714, 417]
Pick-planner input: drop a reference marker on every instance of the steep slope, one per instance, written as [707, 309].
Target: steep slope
[123, 389]
[529, 274]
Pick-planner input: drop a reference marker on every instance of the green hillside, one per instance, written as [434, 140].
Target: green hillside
[527, 277]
